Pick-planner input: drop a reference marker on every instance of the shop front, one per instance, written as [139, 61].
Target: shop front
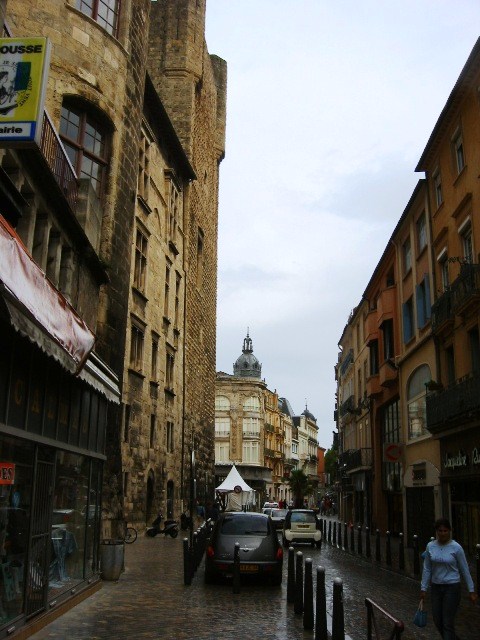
[460, 481]
[52, 440]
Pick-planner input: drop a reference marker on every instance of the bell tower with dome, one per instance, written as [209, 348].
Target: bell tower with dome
[247, 365]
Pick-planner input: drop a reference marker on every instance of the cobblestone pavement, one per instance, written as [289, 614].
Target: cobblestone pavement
[150, 601]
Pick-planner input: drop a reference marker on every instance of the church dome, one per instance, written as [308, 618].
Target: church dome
[247, 365]
[309, 415]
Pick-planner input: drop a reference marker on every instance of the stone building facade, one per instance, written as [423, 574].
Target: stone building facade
[113, 214]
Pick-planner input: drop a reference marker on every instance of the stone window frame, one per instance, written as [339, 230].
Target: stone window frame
[109, 24]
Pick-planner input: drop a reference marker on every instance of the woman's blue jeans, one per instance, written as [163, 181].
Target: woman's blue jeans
[445, 601]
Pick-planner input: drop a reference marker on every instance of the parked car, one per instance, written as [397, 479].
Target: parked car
[267, 511]
[301, 525]
[278, 517]
[260, 552]
[270, 504]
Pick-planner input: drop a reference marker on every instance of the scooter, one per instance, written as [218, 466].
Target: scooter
[170, 527]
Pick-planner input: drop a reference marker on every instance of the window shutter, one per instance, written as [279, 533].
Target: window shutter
[419, 296]
[428, 304]
[407, 325]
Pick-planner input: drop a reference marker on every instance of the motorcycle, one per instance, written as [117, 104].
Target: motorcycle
[170, 527]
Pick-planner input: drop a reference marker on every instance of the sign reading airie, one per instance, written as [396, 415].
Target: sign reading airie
[23, 80]
[7, 472]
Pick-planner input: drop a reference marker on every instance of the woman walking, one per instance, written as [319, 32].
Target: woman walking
[444, 565]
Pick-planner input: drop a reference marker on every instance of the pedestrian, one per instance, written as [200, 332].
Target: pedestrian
[443, 566]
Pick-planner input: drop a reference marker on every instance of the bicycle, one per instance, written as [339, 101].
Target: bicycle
[130, 534]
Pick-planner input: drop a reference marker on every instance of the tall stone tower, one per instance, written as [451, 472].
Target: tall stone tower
[192, 86]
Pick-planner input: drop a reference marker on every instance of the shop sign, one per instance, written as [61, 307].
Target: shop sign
[476, 456]
[454, 461]
[23, 78]
[7, 472]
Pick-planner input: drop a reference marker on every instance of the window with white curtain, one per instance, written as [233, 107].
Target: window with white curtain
[251, 404]
[222, 427]
[251, 427]
[222, 452]
[222, 403]
[250, 451]
[416, 399]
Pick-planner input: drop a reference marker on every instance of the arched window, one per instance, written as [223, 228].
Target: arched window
[251, 404]
[416, 403]
[85, 140]
[222, 403]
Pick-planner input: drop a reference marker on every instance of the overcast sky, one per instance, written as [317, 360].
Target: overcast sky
[329, 107]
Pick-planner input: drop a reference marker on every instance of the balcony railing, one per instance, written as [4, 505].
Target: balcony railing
[464, 290]
[348, 406]
[452, 405]
[59, 163]
[346, 362]
[269, 452]
[222, 434]
[355, 458]
[269, 427]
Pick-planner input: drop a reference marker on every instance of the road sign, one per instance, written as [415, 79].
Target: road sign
[392, 452]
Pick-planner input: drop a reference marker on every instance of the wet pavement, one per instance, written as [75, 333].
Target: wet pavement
[151, 601]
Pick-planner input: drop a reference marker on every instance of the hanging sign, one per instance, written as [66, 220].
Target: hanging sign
[7, 473]
[392, 452]
[23, 80]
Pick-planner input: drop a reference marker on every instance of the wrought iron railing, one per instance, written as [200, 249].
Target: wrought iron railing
[58, 161]
[453, 403]
[355, 458]
[466, 286]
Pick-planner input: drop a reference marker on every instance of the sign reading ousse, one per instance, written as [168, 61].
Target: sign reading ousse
[23, 79]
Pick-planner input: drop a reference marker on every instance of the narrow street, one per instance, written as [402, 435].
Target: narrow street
[150, 601]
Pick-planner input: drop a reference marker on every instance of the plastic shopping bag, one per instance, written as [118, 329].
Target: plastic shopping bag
[420, 617]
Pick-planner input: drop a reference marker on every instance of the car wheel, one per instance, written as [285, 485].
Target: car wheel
[276, 581]
[208, 578]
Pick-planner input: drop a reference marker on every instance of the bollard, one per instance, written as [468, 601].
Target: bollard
[335, 533]
[339, 535]
[291, 576]
[329, 532]
[236, 568]
[187, 574]
[368, 551]
[195, 552]
[359, 540]
[345, 536]
[308, 596]
[352, 538]
[388, 552]
[478, 567]
[401, 553]
[378, 556]
[321, 632]
[416, 557]
[325, 529]
[298, 604]
[338, 623]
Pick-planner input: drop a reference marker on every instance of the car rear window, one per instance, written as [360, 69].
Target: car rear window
[244, 526]
[303, 517]
[279, 513]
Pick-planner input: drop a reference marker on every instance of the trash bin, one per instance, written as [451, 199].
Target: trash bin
[112, 554]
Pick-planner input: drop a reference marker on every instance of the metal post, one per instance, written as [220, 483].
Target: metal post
[195, 552]
[340, 535]
[335, 533]
[401, 553]
[321, 632]
[389, 550]
[291, 576]
[325, 529]
[338, 623]
[378, 556]
[236, 568]
[368, 551]
[352, 538]
[416, 557]
[308, 596]
[187, 574]
[329, 532]
[478, 567]
[298, 605]
[359, 540]
[368, 604]
[345, 536]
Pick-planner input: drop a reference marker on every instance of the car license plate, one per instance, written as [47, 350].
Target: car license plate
[248, 568]
[304, 526]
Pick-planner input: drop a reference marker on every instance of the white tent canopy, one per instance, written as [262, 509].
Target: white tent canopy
[240, 494]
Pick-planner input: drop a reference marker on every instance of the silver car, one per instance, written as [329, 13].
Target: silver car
[260, 552]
